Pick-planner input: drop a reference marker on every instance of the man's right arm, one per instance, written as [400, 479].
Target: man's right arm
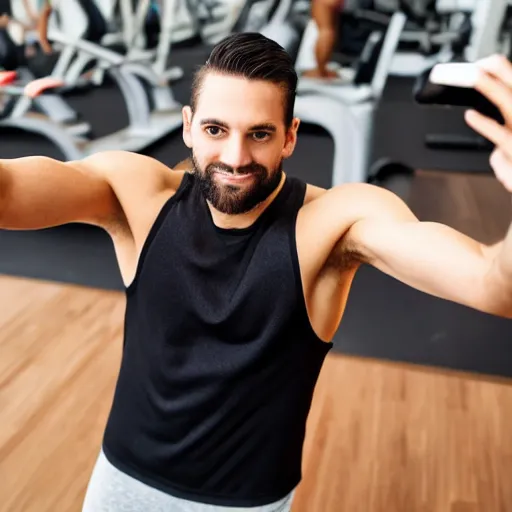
[103, 190]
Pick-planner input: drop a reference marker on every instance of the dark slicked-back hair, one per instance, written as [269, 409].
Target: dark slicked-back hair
[254, 57]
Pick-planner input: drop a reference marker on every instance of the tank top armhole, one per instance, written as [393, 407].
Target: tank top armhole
[154, 230]
[298, 282]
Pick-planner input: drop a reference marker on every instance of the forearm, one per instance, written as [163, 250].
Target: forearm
[498, 282]
[440, 261]
[503, 254]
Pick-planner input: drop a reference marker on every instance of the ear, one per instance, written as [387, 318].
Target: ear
[291, 138]
[187, 126]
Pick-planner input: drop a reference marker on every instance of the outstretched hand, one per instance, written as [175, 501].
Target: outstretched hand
[495, 83]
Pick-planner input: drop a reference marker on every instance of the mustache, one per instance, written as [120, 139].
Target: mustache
[246, 169]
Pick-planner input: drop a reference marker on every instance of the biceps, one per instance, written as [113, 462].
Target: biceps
[39, 192]
[430, 257]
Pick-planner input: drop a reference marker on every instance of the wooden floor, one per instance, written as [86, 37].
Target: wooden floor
[381, 437]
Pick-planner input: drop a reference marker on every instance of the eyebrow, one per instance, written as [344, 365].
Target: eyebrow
[267, 127]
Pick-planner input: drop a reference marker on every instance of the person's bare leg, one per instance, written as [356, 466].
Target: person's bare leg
[325, 14]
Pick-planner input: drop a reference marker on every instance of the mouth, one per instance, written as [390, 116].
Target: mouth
[234, 178]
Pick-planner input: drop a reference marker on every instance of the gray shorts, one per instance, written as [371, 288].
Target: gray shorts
[111, 490]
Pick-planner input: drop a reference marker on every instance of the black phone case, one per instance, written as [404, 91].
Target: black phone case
[427, 93]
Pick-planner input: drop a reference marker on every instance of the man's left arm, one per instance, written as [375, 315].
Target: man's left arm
[435, 258]
[432, 257]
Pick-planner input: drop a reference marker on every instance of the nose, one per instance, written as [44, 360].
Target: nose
[235, 152]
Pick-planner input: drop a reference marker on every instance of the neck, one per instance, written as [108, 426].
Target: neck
[244, 220]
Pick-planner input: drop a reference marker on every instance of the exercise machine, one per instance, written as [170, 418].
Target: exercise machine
[488, 20]
[76, 20]
[150, 118]
[13, 114]
[165, 10]
[213, 20]
[285, 26]
[127, 23]
[256, 14]
[160, 64]
[135, 50]
[363, 20]
[437, 33]
[465, 30]
[346, 111]
[153, 112]
[12, 50]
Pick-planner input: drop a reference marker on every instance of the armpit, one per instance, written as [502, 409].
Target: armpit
[344, 256]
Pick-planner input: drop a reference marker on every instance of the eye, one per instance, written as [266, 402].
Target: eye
[213, 131]
[261, 136]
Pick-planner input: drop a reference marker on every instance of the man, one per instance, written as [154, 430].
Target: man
[237, 277]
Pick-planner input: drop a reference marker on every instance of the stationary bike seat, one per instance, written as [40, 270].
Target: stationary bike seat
[40, 85]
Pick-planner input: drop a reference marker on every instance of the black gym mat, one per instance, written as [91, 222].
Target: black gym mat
[384, 318]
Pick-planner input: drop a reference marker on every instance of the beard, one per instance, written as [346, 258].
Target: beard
[233, 199]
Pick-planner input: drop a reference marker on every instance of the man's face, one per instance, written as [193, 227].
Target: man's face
[238, 140]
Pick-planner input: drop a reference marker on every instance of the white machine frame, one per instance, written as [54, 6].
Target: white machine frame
[486, 18]
[156, 59]
[146, 125]
[347, 111]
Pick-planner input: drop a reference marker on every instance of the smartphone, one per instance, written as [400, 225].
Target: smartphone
[452, 84]
[463, 75]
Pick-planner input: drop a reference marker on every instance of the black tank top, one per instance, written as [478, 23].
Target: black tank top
[219, 360]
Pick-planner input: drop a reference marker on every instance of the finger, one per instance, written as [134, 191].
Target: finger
[496, 92]
[490, 129]
[499, 67]
[502, 167]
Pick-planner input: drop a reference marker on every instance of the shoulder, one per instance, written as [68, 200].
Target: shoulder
[340, 219]
[112, 162]
[141, 186]
[354, 201]
[133, 171]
